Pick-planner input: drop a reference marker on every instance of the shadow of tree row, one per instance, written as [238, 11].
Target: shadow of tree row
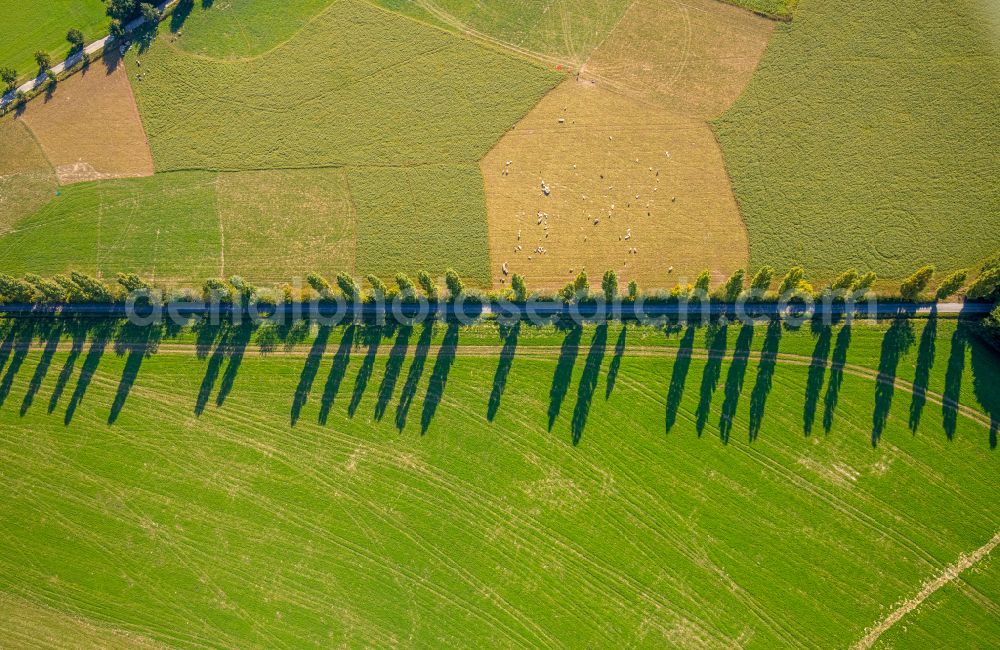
[223, 346]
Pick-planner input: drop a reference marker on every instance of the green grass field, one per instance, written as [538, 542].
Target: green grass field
[31, 26]
[867, 138]
[341, 492]
[336, 95]
[181, 228]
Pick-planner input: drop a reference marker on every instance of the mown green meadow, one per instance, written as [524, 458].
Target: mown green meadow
[867, 138]
[28, 27]
[377, 487]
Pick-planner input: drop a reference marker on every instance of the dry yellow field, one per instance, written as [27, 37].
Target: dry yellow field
[618, 168]
[90, 127]
[692, 57]
[26, 178]
[632, 188]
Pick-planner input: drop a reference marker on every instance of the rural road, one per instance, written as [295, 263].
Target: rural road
[91, 49]
[533, 310]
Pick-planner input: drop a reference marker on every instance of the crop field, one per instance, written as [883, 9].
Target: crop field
[777, 8]
[638, 183]
[31, 26]
[381, 487]
[867, 138]
[562, 30]
[180, 228]
[421, 218]
[632, 188]
[90, 128]
[27, 181]
[430, 98]
[692, 58]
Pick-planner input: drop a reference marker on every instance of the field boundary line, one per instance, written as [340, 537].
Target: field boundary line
[949, 574]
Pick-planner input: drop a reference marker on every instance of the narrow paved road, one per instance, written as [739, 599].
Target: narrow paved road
[91, 49]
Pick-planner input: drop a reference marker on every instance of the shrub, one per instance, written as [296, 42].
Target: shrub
[986, 286]
[581, 286]
[734, 286]
[762, 279]
[320, 285]
[8, 76]
[149, 13]
[406, 287]
[951, 285]
[633, 290]
[132, 282]
[454, 284]
[519, 288]
[89, 289]
[914, 285]
[379, 290]
[846, 281]
[116, 30]
[75, 38]
[13, 290]
[43, 60]
[703, 282]
[427, 284]
[792, 280]
[348, 287]
[244, 290]
[866, 282]
[46, 290]
[216, 290]
[121, 9]
[609, 285]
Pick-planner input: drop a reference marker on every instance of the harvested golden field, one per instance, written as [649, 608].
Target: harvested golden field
[692, 57]
[90, 128]
[636, 179]
[26, 178]
[277, 225]
[632, 188]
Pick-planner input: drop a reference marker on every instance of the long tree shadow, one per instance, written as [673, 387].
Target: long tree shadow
[439, 376]
[309, 372]
[734, 381]
[765, 377]
[236, 350]
[139, 343]
[414, 374]
[180, 14]
[52, 333]
[9, 335]
[78, 331]
[897, 341]
[372, 337]
[823, 334]
[100, 336]
[393, 366]
[509, 334]
[953, 380]
[925, 361]
[837, 363]
[213, 368]
[23, 337]
[588, 381]
[986, 383]
[341, 359]
[678, 377]
[616, 362]
[715, 340]
[564, 370]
